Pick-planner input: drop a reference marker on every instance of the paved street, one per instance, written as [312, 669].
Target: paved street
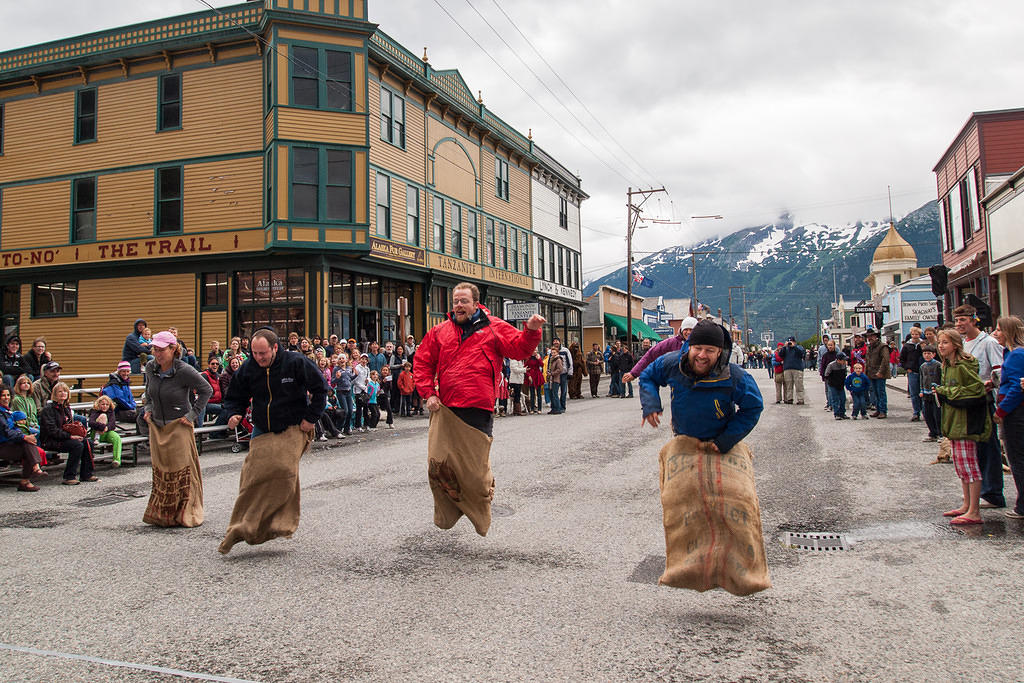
[563, 587]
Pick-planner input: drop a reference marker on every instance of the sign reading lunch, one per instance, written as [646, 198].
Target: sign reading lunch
[190, 245]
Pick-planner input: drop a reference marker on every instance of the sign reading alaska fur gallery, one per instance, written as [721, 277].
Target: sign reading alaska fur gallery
[125, 250]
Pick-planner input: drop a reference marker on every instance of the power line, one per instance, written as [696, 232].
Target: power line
[527, 93]
[541, 81]
[571, 92]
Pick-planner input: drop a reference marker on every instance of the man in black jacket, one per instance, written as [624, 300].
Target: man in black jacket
[910, 360]
[277, 381]
[287, 391]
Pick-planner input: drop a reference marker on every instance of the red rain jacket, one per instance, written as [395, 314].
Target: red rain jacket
[463, 369]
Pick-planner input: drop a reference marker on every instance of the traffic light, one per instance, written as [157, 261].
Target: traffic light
[939, 275]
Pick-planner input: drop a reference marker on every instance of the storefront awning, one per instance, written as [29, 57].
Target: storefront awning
[640, 329]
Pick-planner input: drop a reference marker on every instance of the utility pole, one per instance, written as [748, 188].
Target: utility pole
[633, 212]
[746, 328]
[731, 322]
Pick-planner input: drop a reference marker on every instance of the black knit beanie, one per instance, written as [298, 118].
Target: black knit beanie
[707, 333]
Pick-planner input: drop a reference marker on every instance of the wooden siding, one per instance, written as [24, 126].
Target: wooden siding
[221, 114]
[409, 163]
[453, 173]
[338, 128]
[213, 325]
[326, 37]
[283, 182]
[104, 318]
[962, 154]
[124, 205]
[223, 195]
[359, 192]
[1004, 146]
[36, 215]
[517, 209]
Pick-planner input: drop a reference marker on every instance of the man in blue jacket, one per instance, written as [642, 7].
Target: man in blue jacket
[713, 400]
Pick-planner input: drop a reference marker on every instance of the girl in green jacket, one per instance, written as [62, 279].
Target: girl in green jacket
[965, 420]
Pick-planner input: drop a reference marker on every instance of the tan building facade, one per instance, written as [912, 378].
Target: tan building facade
[269, 163]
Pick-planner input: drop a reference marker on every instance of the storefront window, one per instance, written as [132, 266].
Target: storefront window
[272, 298]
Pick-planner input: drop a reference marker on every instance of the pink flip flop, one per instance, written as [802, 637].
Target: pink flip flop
[961, 521]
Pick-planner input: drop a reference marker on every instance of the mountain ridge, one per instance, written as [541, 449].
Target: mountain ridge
[786, 270]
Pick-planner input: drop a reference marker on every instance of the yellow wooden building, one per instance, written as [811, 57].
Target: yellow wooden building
[277, 162]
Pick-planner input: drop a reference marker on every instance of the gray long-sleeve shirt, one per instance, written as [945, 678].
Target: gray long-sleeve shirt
[168, 397]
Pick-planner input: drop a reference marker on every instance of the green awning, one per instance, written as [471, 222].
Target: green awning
[640, 329]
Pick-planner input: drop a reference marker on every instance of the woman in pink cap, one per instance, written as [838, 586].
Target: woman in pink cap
[177, 497]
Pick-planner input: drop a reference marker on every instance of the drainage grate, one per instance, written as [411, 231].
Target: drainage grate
[108, 499]
[814, 541]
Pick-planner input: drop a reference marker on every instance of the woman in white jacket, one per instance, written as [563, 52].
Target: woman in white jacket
[516, 374]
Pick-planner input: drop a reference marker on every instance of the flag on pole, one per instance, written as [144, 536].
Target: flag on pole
[647, 282]
[637, 276]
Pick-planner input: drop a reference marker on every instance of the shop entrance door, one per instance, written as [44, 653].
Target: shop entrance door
[369, 326]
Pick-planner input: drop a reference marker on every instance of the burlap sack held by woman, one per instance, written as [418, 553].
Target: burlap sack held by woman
[177, 496]
[712, 519]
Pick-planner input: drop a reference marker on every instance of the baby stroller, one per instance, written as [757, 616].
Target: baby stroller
[243, 432]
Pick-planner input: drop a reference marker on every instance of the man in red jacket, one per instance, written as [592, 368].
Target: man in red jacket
[458, 365]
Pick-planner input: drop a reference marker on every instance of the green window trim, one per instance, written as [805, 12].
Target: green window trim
[168, 198]
[541, 270]
[383, 216]
[86, 124]
[320, 78]
[472, 236]
[438, 241]
[325, 177]
[412, 215]
[83, 210]
[513, 241]
[489, 242]
[1, 129]
[500, 178]
[524, 251]
[456, 230]
[392, 117]
[169, 102]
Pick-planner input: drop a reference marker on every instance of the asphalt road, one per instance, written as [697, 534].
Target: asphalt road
[563, 587]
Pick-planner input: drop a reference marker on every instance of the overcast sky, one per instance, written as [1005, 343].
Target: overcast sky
[741, 108]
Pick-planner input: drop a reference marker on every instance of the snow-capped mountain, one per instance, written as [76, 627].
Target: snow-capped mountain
[786, 269]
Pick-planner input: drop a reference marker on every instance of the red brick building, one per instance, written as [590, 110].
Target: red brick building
[984, 154]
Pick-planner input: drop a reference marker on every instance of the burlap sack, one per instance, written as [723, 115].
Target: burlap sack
[177, 496]
[459, 471]
[712, 519]
[268, 493]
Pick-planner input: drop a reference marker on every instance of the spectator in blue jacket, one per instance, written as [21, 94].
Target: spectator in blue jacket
[1010, 403]
[713, 400]
[119, 389]
[134, 347]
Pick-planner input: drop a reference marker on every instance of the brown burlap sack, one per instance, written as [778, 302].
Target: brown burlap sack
[177, 496]
[268, 494]
[712, 519]
[459, 471]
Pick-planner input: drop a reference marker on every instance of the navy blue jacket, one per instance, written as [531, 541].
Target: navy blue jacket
[292, 389]
[722, 407]
[793, 357]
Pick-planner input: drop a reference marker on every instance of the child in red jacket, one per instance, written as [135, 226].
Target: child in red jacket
[406, 385]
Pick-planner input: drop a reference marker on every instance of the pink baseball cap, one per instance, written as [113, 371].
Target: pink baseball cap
[124, 364]
[162, 340]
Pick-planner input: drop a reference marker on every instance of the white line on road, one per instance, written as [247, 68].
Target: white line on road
[126, 665]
